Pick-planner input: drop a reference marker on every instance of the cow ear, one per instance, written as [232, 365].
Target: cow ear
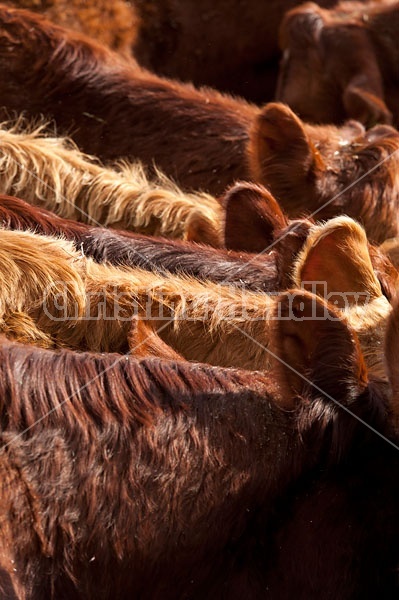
[144, 342]
[280, 153]
[317, 353]
[301, 26]
[392, 363]
[365, 106]
[252, 218]
[336, 256]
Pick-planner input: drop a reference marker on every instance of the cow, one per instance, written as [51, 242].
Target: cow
[337, 533]
[227, 44]
[199, 138]
[161, 479]
[50, 172]
[347, 171]
[255, 223]
[276, 240]
[84, 305]
[341, 63]
[269, 272]
[335, 263]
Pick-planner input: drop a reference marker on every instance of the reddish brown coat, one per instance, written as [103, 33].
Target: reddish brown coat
[342, 62]
[114, 109]
[228, 44]
[178, 466]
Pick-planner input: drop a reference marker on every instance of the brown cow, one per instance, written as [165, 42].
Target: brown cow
[337, 532]
[52, 173]
[79, 304]
[342, 62]
[269, 234]
[83, 305]
[327, 171]
[268, 272]
[255, 223]
[198, 137]
[115, 110]
[228, 44]
[161, 480]
[335, 263]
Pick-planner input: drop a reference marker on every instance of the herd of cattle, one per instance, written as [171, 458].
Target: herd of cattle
[199, 308]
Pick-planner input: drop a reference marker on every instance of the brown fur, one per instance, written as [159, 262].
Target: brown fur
[187, 465]
[391, 349]
[51, 173]
[268, 272]
[144, 342]
[252, 214]
[255, 222]
[391, 249]
[200, 320]
[327, 171]
[296, 342]
[84, 305]
[341, 62]
[339, 249]
[322, 547]
[335, 263]
[18, 214]
[111, 22]
[385, 270]
[199, 138]
[193, 41]
[117, 110]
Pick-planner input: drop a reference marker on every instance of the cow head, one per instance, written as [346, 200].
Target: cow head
[335, 264]
[328, 170]
[317, 352]
[329, 70]
[318, 359]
